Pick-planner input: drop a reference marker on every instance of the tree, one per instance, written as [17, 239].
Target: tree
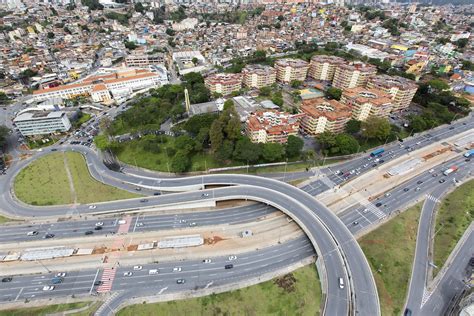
[3, 98]
[50, 35]
[139, 7]
[265, 91]
[130, 45]
[216, 135]
[273, 151]
[228, 103]
[326, 140]
[376, 127]
[169, 31]
[294, 146]
[462, 42]
[295, 83]
[345, 144]
[180, 162]
[333, 93]
[417, 123]
[246, 151]
[353, 126]
[4, 132]
[278, 100]
[225, 151]
[185, 143]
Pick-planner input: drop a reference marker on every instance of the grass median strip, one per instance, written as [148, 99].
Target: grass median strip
[454, 215]
[390, 250]
[44, 310]
[297, 293]
[45, 182]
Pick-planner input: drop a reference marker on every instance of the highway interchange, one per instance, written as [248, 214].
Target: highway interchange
[324, 230]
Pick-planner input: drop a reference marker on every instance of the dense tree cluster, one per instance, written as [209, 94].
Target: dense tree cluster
[92, 4]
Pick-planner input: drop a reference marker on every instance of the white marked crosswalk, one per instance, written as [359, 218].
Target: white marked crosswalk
[432, 198]
[375, 210]
[426, 296]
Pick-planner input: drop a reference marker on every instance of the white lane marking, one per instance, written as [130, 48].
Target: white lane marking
[95, 278]
[162, 290]
[209, 284]
[19, 293]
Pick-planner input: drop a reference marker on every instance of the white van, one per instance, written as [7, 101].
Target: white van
[153, 271]
[341, 283]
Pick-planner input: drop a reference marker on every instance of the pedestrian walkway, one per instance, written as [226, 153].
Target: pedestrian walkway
[432, 198]
[107, 280]
[123, 228]
[375, 210]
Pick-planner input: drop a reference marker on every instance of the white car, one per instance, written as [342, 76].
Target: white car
[48, 287]
[207, 261]
[92, 207]
[232, 257]
[177, 269]
[431, 171]
[140, 224]
[365, 210]
[99, 224]
[152, 271]
[33, 233]
[127, 274]
[137, 268]
[60, 274]
[122, 221]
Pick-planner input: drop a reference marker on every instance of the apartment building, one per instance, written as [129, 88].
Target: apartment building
[365, 102]
[322, 115]
[323, 67]
[142, 61]
[288, 70]
[271, 126]
[118, 83]
[258, 76]
[40, 122]
[223, 83]
[402, 90]
[353, 75]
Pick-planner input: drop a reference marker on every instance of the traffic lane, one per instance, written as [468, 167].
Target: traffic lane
[143, 223]
[211, 271]
[31, 286]
[452, 281]
[247, 213]
[398, 196]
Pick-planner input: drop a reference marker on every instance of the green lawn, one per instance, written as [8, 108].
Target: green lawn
[45, 182]
[298, 293]
[44, 310]
[390, 250]
[455, 214]
[4, 219]
[49, 140]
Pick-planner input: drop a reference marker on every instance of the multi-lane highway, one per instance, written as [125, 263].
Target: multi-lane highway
[195, 273]
[139, 223]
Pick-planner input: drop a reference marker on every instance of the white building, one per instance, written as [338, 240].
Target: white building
[39, 123]
[184, 61]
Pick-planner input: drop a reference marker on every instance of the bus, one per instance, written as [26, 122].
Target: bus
[377, 152]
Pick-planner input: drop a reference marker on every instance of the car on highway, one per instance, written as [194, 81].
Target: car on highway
[177, 269]
[156, 193]
[153, 271]
[140, 224]
[7, 279]
[355, 223]
[192, 224]
[143, 200]
[228, 266]
[341, 283]
[32, 233]
[388, 194]
[98, 228]
[98, 282]
[122, 221]
[89, 232]
[406, 189]
[205, 195]
[378, 204]
[138, 189]
[137, 268]
[92, 207]
[57, 280]
[48, 287]
[180, 281]
[431, 171]
[417, 189]
[127, 274]
[207, 261]
[233, 257]
[49, 235]
[407, 312]
[61, 274]
[419, 182]
[365, 210]
[442, 181]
